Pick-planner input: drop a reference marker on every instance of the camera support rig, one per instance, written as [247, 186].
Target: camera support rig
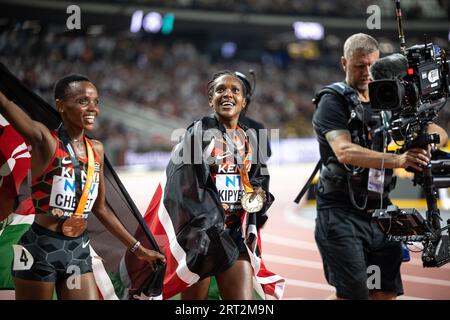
[414, 101]
[408, 225]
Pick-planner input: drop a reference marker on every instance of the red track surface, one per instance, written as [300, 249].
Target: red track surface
[289, 248]
[288, 240]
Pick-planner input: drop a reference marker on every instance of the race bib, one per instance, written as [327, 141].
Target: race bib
[229, 187]
[23, 260]
[63, 194]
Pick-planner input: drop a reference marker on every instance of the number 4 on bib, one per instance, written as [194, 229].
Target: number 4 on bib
[23, 260]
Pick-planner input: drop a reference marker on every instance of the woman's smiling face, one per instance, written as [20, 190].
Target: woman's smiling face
[227, 97]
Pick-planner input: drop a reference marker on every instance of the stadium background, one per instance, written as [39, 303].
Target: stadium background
[151, 61]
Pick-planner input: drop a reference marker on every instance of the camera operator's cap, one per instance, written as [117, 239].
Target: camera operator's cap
[248, 86]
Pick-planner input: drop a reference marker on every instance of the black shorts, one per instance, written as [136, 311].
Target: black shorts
[45, 255]
[356, 255]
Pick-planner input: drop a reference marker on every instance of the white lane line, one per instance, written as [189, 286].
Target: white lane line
[418, 262]
[326, 287]
[309, 284]
[318, 266]
[311, 246]
[411, 298]
[293, 261]
[398, 298]
[295, 218]
[289, 242]
[292, 216]
[416, 279]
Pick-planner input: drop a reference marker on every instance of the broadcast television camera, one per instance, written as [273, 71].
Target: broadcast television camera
[410, 89]
[416, 94]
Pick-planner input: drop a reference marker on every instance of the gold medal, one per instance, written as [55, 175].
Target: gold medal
[254, 205]
[74, 226]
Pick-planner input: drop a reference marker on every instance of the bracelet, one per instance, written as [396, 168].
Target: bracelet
[135, 246]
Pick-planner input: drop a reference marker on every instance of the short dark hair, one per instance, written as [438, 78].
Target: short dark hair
[63, 83]
[360, 42]
[225, 73]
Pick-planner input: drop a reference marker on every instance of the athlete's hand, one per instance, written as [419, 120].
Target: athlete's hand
[150, 256]
[260, 191]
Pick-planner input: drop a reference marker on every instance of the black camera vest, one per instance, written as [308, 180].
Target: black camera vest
[335, 176]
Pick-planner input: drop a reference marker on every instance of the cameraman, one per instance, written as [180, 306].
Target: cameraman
[348, 241]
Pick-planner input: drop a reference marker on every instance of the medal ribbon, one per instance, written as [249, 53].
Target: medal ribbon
[89, 180]
[248, 188]
[80, 196]
[241, 165]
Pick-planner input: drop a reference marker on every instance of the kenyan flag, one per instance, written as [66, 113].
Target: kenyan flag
[14, 164]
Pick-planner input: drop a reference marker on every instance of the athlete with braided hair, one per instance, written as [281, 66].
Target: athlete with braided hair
[229, 183]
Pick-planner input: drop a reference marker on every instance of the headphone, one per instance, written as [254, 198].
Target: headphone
[248, 87]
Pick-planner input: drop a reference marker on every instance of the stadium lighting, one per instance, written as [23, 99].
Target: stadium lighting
[136, 21]
[308, 30]
[228, 50]
[152, 22]
[167, 26]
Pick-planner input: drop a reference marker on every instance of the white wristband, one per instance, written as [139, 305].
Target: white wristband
[135, 246]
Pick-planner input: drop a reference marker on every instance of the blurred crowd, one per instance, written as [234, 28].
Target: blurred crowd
[168, 77]
[414, 9]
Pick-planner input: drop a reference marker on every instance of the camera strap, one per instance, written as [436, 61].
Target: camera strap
[355, 109]
[346, 92]
[359, 136]
[308, 183]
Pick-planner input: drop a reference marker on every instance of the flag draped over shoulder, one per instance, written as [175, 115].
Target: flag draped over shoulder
[118, 274]
[186, 218]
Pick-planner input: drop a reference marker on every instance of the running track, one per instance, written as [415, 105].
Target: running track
[289, 248]
[288, 240]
